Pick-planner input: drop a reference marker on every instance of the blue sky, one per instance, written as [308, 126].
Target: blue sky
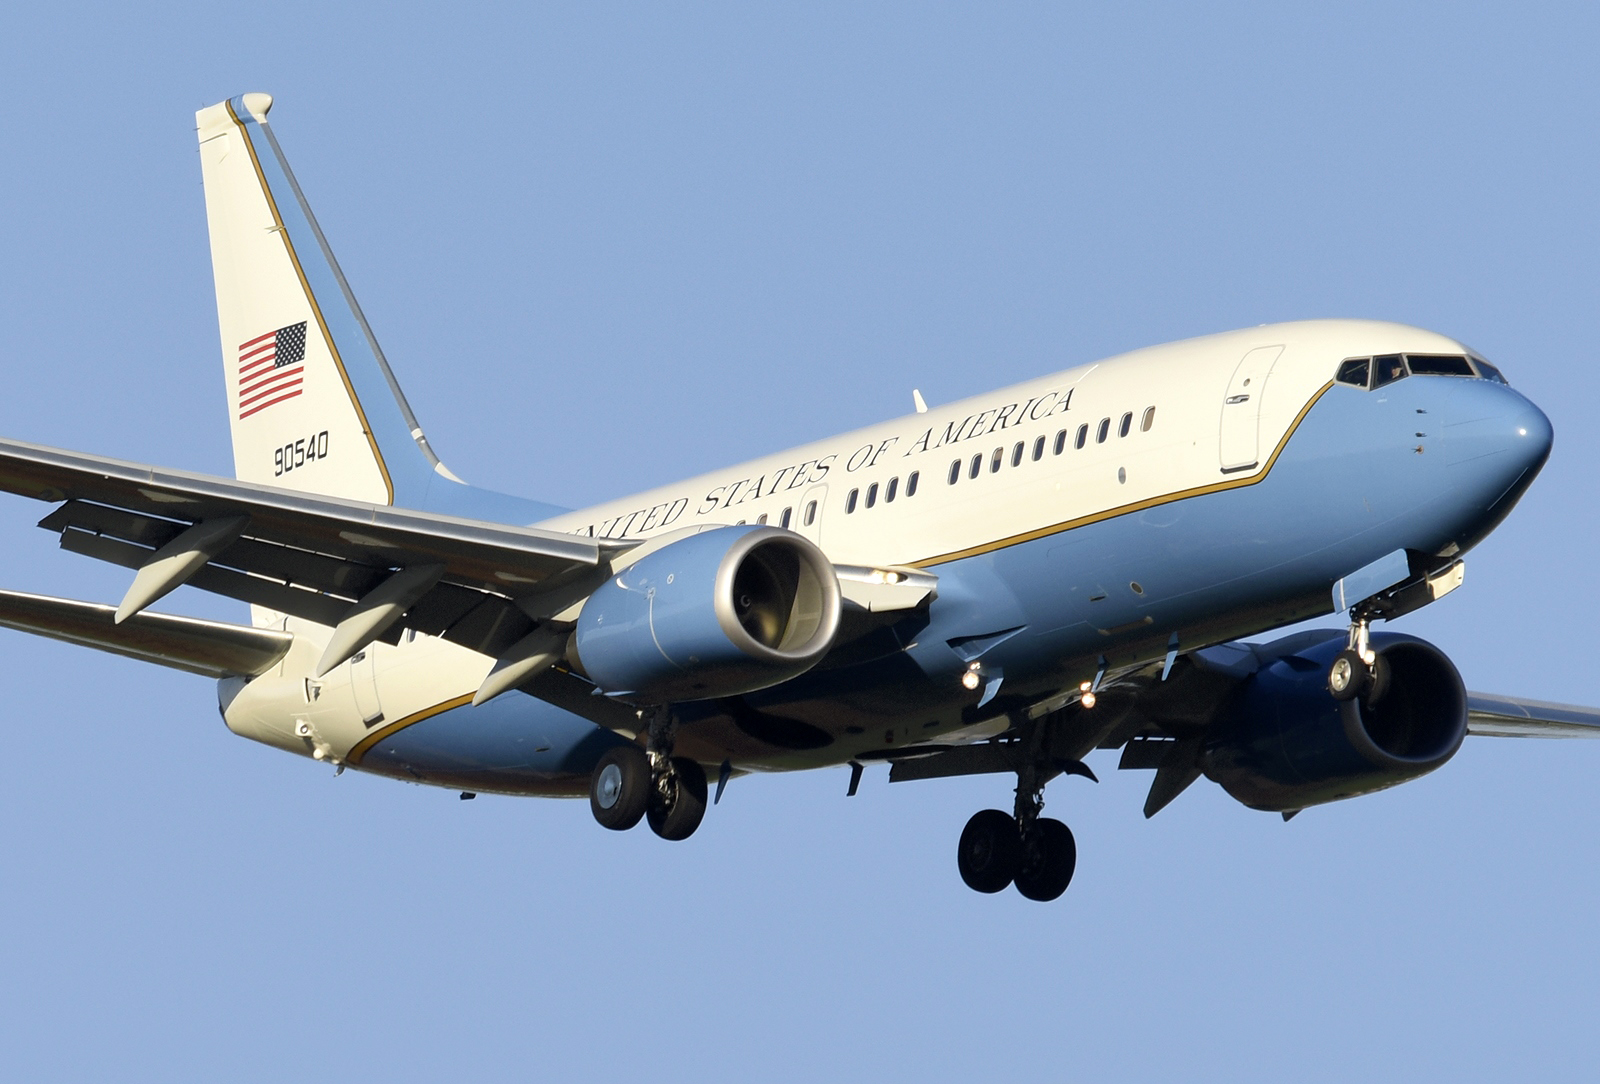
[609, 247]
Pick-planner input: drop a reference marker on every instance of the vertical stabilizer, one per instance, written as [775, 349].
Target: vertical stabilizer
[311, 401]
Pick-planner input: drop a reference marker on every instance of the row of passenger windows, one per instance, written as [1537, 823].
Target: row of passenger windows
[890, 492]
[891, 489]
[787, 515]
[1383, 369]
[997, 458]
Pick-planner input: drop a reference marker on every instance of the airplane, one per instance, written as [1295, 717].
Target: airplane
[1000, 585]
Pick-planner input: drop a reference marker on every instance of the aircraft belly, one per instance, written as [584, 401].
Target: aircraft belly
[513, 744]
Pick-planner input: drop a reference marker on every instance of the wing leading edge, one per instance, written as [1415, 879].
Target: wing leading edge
[1513, 717]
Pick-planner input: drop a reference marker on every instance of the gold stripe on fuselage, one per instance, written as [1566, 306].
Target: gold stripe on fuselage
[1137, 506]
[360, 748]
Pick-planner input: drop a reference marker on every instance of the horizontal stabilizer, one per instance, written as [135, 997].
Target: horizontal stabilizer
[211, 648]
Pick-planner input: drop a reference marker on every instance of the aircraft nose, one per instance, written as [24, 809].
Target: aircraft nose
[1499, 437]
[1533, 432]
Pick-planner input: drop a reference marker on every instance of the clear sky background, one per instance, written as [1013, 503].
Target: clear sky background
[610, 246]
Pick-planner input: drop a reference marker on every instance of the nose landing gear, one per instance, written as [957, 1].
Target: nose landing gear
[1358, 671]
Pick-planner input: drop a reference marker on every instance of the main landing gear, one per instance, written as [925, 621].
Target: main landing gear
[996, 852]
[1037, 854]
[630, 784]
[1358, 671]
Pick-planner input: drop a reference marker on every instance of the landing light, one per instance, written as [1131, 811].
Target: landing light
[1087, 700]
[970, 679]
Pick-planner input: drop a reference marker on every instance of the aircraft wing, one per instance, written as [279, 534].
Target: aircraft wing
[478, 584]
[1160, 724]
[209, 648]
[1512, 717]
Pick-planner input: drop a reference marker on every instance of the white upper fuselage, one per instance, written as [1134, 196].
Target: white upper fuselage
[1185, 382]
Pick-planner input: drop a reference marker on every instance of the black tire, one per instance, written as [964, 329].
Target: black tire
[990, 851]
[1049, 857]
[1348, 676]
[619, 788]
[679, 818]
[1379, 683]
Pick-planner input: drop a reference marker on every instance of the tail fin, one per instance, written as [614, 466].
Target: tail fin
[312, 402]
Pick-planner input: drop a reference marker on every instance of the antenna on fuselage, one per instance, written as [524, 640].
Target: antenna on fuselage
[916, 397]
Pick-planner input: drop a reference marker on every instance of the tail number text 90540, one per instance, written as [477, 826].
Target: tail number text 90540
[309, 450]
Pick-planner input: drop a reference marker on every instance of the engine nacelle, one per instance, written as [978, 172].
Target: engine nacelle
[727, 611]
[1285, 743]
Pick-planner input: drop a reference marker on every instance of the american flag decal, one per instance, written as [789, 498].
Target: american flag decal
[270, 368]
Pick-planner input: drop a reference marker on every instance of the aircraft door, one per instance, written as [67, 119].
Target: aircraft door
[1241, 409]
[364, 685]
[808, 517]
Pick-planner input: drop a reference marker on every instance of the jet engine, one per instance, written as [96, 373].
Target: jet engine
[1285, 743]
[723, 612]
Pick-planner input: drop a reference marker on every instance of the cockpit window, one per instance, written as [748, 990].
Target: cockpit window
[1439, 365]
[1488, 372]
[1354, 371]
[1387, 368]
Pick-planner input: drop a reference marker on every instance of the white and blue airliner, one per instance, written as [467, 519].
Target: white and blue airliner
[998, 585]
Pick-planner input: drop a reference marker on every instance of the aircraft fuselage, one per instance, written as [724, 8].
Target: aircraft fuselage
[1172, 497]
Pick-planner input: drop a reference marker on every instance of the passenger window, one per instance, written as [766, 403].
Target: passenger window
[1148, 420]
[1354, 372]
[1038, 449]
[1127, 425]
[1061, 441]
[762, 518]
[1103, 432]
[888, 494]
[911, 483]
[1016, 455]
[783, 520]
[977, 466]
[1489, 372]
[850, 502]
[955, 471]
[1083, 435]
[811, 513]
[1387, 368]
[1438, 365]
[872, 494]
[996, 459]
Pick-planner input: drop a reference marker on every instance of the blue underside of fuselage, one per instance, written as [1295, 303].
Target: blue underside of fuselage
[1421, 464]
